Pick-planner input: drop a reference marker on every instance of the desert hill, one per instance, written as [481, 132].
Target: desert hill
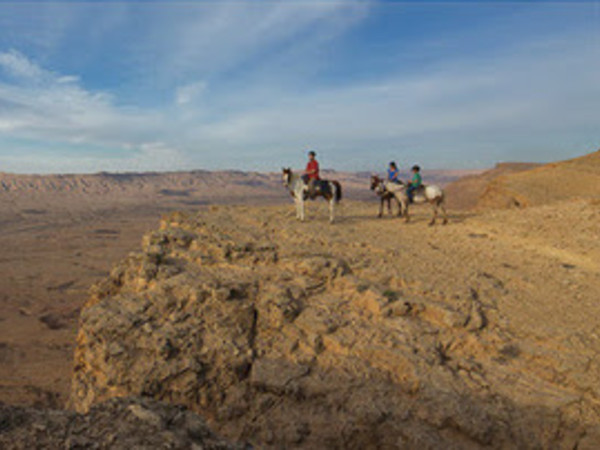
[574, 178]
[465, 192]
[364, 334]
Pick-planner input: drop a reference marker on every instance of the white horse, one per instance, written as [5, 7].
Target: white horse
[432, 194]
[329, 190]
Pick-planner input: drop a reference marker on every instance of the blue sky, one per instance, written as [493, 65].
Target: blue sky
[134, 86]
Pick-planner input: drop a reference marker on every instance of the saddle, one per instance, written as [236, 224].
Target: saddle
[418, 193]
[316, 188]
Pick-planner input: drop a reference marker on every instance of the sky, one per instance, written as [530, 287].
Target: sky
[251, 85]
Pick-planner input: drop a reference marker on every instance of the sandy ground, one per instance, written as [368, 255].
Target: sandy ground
[543, 261]
[47, 267]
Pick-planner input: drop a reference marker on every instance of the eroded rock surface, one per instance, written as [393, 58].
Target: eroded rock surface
[117, 424]
[287, 341]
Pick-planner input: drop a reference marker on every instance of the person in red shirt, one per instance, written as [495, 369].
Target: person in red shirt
[311, 173]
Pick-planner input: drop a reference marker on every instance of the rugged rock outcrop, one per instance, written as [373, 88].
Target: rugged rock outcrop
[297, 347]
[117, 424]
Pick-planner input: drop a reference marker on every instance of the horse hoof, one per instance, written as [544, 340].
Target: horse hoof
[431, 224]
[445, 222]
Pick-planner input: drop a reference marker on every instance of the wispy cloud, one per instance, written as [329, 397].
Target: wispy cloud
[19, 66]
[146, 157]
[47, 105]
[188, 93]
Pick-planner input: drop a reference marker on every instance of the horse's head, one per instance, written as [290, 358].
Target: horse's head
[286, 175]
[374, 182]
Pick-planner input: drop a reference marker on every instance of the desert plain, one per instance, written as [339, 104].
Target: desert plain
[368, 333]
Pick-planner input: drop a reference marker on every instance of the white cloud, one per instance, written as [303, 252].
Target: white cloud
[49, 106]
[205, 40]
[190, 92]
[19, 66]
[152, 156]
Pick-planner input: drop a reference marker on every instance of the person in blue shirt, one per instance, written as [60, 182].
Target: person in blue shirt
[393, 173]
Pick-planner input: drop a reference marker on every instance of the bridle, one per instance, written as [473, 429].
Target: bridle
[378, 185]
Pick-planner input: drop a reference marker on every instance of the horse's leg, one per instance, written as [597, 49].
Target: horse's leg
[445, 221]
[332, 208]
[381, 202]
[389, 202]
[403, 201]
[399, 206]
[435, 205]
[297, 203]
[301, 209]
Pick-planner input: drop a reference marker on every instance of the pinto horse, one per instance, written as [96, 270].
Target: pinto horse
[434, 195]
[329, 190]
[378, 185]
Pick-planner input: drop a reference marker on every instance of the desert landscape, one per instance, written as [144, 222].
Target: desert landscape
[62, 234]
[368, 333]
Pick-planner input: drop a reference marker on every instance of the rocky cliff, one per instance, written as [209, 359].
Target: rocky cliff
[305, 336]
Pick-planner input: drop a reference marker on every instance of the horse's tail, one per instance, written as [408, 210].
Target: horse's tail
[338, 191]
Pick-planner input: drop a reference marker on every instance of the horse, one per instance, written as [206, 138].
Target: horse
[378, 185]
[329, 190]
[434, 195]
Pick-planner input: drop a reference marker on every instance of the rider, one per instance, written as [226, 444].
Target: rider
[393, 173]
[415, 183]
[311, 174]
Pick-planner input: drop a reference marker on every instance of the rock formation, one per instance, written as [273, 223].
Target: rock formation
[118, 424]
[279, 339]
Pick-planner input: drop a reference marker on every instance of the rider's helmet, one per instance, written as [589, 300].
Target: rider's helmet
[416, 168]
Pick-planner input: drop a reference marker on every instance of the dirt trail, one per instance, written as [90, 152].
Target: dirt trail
[540, 261]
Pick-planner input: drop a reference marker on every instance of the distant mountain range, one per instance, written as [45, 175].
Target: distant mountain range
[507, 184]
[194, 186]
